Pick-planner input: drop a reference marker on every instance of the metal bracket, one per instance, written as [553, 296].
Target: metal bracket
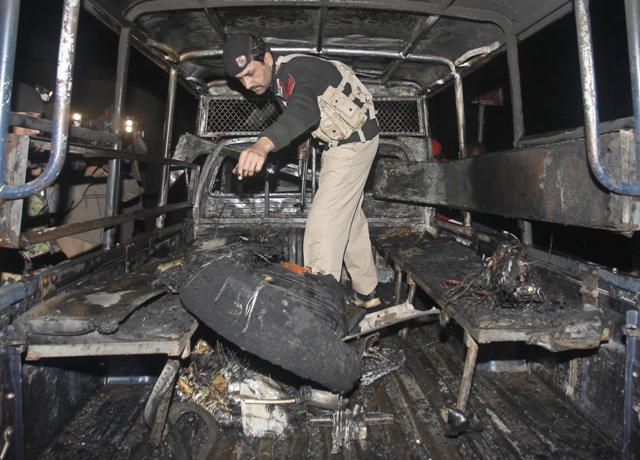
[589, 289]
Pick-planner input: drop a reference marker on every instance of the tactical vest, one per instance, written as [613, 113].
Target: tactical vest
[340, 116]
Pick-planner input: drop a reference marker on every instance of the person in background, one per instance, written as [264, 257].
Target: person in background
[475, 149]
[436, 150]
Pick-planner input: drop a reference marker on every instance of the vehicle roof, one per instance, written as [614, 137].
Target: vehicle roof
[391, 42]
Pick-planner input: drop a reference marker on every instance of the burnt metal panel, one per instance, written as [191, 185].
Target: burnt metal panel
[101, 307]
[550, 183]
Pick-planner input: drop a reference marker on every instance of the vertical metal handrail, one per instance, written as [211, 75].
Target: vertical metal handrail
[114, 180]
[9, 14]
[166, 146]
[59, 137]
[632, 13]
[590, 100]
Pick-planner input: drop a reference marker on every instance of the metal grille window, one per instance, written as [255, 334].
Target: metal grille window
[237, 116]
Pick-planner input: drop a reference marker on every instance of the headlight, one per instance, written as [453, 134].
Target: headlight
[128, 125]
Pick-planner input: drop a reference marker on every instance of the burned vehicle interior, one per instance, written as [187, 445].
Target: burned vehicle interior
[205, 337]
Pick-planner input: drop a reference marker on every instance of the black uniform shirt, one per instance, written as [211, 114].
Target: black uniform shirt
[297, 85]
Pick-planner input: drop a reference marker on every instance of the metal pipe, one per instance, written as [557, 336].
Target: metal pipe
[516, 90]
[38, 236]
[481, 108]
[398, 283]
[632, 13]
[166, 146]
[66, 54]
[9, 14]
[630, 330]
[266, 198]
[462, 149]
[114, 180]
[40, 124]
[322, 24]
[590, 100]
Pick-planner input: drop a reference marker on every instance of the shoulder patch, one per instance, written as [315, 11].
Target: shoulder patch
[284, 91]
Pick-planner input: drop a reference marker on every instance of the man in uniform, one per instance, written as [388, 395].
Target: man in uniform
[327, 98]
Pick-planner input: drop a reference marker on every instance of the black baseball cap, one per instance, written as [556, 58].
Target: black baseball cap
[237, 53]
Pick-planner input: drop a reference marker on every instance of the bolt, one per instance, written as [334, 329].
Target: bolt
[636, 407]
[9, 396]
[635, 375]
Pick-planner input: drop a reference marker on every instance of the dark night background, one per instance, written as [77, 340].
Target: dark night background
[551, 96]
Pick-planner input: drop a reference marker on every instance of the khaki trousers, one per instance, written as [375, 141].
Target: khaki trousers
[337, 228]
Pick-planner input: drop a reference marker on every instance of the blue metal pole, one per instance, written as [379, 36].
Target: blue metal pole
[632, 13]
[59, 138]
[9, 13]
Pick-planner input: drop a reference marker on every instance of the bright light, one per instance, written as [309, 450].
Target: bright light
[128, 129]
[76, 120]
[128, 123]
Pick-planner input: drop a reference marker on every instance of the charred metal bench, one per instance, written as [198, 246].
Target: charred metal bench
[428, 262]
[131, 315]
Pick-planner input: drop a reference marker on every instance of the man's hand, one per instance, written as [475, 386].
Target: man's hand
[252, 158]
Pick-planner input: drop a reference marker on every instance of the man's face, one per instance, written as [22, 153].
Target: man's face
[257, 75]
[27, 131]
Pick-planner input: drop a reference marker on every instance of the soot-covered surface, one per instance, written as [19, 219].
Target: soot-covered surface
[522, 417]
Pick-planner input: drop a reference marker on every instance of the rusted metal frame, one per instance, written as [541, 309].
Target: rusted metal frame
[64, 75]
[166, 144]
[81, 227]
[423, 29]
[590, 101]
[114, 179]
[25, 121]
[99, 152]
[216, 23]
[632, 13]
[322, 24]
[11, 210]
[467, 374]
[9, 14]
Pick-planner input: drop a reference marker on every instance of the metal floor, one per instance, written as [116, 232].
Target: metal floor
[522, 417]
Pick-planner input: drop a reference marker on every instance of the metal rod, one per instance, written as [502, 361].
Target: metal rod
[629, 414]
[398, 283]
[9, 14]
[166, 145]
[66, 54]
[516, 90]
[114, 180]
[462, 149]
[98, 152]
[590, 100]
[632, 13]
[467, 375]
[322, 24]
[80, 227]
[481, 108]
[40, 124]
[266, 198]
